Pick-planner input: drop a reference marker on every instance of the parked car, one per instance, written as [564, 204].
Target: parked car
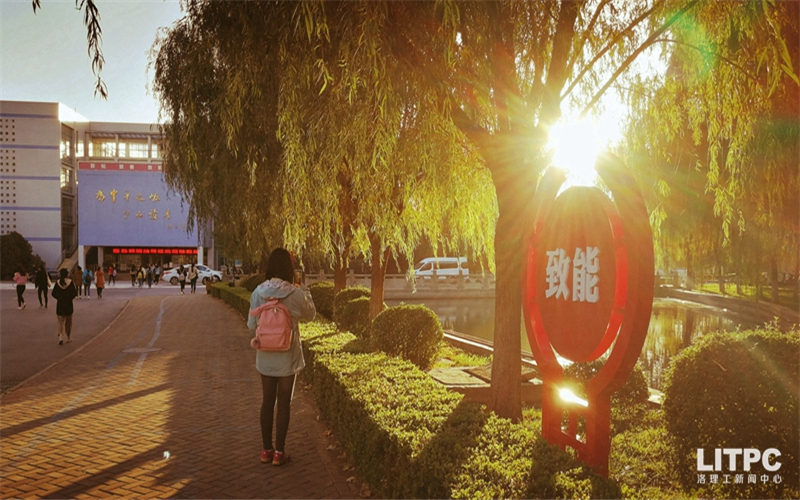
[446, 267]
[203, 274]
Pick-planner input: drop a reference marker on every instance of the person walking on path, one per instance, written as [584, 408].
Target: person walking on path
[193, 277]
[149, 276]
[64, 292]
[182, 278]
[157, 273]
[279, 369]
[87, 283]
[77, 280]
[99, 282]
[42, 283]
[140, 274]
[133, 275]
[20, 278]
[112, 275]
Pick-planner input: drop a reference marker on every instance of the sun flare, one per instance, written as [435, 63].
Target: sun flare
[575, 147]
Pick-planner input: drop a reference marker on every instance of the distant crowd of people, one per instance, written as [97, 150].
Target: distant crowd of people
[78, 284]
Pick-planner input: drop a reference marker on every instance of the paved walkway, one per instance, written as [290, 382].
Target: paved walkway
[164, 404]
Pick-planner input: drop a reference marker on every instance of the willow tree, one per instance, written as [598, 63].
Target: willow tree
[730, 101]
[499, 72]
[220, 122]
[372, 150]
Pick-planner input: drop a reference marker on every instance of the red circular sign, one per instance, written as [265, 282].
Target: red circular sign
[574, 275]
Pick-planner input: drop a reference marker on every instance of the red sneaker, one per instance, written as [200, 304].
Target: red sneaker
[266, 456]
[280, 458]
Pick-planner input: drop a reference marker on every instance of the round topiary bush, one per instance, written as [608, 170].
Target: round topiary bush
[322, 294]
[252, 282]
[736, 390]
[355, 317]
[345, 296]
[410, 331]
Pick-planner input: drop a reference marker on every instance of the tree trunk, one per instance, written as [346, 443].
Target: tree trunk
[506, 363]
[339, 275]
[515, 184]
[773, 278]
[379, 263]
[721, 280]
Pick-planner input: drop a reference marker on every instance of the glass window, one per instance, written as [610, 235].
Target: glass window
[104, 148]
[79, 149]
[66, 142]
[66, 210]
[66, 179]
[133, 149]
[155, 150]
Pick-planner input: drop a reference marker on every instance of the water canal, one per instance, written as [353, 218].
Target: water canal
[674, 325]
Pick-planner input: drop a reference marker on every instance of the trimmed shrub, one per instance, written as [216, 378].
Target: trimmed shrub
[410, 331]
[557, 474]
[411, 438]
[628, 404]
[252, 282]
[641, 461]
[736, 390]
[236, 297]
[345, 296]
[322, 294]
[355, 317]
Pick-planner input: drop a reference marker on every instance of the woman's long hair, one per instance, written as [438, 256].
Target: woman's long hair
[280, 265]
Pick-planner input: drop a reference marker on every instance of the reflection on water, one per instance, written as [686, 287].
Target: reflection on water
[674, 324]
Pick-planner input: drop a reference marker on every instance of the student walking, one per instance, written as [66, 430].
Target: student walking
[157, 273]
[42, 283]
[133, 275]
[182, 278]
[279, 369]
[99, 282]
[112, 275]
[20, 278]
[77, 280]
[140, 276]
[149, 276]
[64, 292]
[193, 277]
[87, 282]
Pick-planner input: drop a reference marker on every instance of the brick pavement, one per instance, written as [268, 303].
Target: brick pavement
[164, 404]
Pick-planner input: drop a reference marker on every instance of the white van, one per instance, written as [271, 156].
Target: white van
[446, 267]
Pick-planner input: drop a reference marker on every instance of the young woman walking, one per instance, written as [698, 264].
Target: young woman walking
[193, 277]
[64, 292]
[279, 369]
[20, 278]
[42, 283]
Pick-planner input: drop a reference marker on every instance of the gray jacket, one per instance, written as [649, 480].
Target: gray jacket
[301, 307]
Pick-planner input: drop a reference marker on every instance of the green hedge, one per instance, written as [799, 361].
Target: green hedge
[354, 318]
[736, 390]
[322, 294]
[628, 404]
[236, 297]
[251, 282]
[410, 331]
[345, 296]
[411, 438]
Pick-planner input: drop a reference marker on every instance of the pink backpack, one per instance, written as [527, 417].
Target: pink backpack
[274, 330]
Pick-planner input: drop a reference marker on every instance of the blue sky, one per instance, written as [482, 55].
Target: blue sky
[44, 56]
